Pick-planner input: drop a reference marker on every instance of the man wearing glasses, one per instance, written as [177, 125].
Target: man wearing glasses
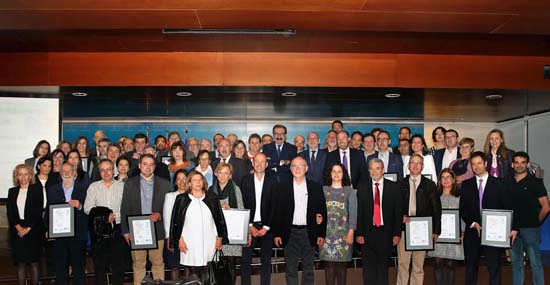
[392, 162]
[444, 156]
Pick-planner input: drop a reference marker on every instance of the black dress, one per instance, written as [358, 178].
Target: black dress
[29, 248]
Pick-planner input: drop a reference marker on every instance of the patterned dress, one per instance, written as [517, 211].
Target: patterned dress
[443, 250]
[341, 216]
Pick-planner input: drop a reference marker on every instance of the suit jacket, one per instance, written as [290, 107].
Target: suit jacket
[131, 202]
[56, 195]
[30, 162]
[395, 163]
[391, 208]
[428, 202]
[239, 169]
[357, 163]
[495, 196]
[267, 199]
[161, 170]
[33, 208]
[316, 168]
[284, 211]
[275, 170]
[438, 158]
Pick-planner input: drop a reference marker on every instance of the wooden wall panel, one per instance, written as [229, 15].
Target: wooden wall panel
[20, 69]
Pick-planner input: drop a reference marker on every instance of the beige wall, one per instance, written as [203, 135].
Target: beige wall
[475, 130]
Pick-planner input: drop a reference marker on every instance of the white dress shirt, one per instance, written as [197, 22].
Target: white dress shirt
[258, 185]
[385, 157]
[300, 204]
[381, 189]
[448, 157]
[347, 158]
[483, 183]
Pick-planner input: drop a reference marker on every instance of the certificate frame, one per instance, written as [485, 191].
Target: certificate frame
[165, 159]
[509, 215]
[52, 217]
[392, 176]
[408, 244]
[456, 239]
[429, 176]
[237, 221]
[132, 219]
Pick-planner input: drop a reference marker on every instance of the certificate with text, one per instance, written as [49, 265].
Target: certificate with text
[496, 226]
[418, 234]
[142, 232]
[236, 221]
[61, 222]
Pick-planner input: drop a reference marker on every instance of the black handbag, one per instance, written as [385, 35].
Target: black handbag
[219, 271]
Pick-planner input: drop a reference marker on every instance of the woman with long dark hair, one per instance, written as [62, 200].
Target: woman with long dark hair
[499, 157]
[41, 149]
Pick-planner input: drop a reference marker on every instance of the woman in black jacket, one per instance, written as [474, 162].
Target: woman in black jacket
[24, 207]
[499, 157]
[197, 238]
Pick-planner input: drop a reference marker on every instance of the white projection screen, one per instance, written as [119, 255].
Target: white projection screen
[24, 122]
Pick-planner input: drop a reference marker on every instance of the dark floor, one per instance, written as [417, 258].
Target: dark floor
[7, 271]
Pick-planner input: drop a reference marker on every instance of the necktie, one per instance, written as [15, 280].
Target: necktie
[345, 160]
[412, 199]
[377, 216]
[223, 159]
[279, 150]
[313, 156]
[480, 193]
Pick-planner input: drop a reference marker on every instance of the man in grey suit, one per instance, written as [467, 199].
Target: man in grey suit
[315, 158]
[144, 195]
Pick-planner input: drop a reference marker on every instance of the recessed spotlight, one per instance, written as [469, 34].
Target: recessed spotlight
[493, 97]
[288, 94]
[392, 95]
[183, 94]
[79, 94]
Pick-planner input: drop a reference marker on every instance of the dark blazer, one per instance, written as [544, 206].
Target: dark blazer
[428, 202]
[267, 199]
[391, 208]
[316, 168]
[495, 196]
[180, 209]
[131, 201]
[34, 206]
[395, 164]
[161, 170]
[30, 162]
[357, 163]
[239, 168]
[275, 170]
[284, 211]
[438, 159]
[56, 195]
[504, 165]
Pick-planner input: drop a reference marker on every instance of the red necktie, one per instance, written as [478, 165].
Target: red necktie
[377, 216]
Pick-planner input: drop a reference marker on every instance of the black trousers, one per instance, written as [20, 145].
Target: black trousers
[376, 253]
[109, 253]
[69, 251]
[298, 247]
[266, 245]
[472, 253]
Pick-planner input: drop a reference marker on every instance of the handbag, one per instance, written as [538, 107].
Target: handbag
[219, 271]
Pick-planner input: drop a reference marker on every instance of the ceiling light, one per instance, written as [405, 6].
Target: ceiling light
[79, 94]
[392, 95]
[183, 94]
[288, 94]
[493, 97]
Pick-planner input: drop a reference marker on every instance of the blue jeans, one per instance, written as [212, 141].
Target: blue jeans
[528, 241]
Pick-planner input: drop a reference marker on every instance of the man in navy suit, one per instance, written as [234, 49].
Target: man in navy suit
[392, 162]
[279, 154]
[225, 156]
[352, 159]
[443, 157]
[315, 158]
[70, 251]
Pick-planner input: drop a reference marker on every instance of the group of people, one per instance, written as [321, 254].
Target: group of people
[327, 201]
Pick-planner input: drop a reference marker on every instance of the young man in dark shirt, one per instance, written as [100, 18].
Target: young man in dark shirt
[531, 200]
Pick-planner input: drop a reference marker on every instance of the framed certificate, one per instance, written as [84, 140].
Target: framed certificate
[165, 159]
[450, 226]
[429, 176]
[418, 234]
[236, 221]
[84, 163]
[61, 221]
[496, 227]
[142, 231]
[392, 176]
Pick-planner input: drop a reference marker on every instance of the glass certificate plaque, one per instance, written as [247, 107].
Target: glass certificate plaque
[450, 226]
[61, 222]
[392, 176]
[418, 234]
[496, 227]
[237, 225]
[142, 232]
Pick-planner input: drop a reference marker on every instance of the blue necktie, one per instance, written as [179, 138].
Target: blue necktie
[279, 150]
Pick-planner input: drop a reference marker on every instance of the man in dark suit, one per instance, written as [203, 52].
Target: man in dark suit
[299, 222]
[379, 218]
[420, 198]
[161, 169]
[279, 154]
[70, 251]
[258, 185]
[144, 195]
[392, 162]
[239, 165]
[482, 192]
[352, 159]
[443, 157]
[315, 158]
